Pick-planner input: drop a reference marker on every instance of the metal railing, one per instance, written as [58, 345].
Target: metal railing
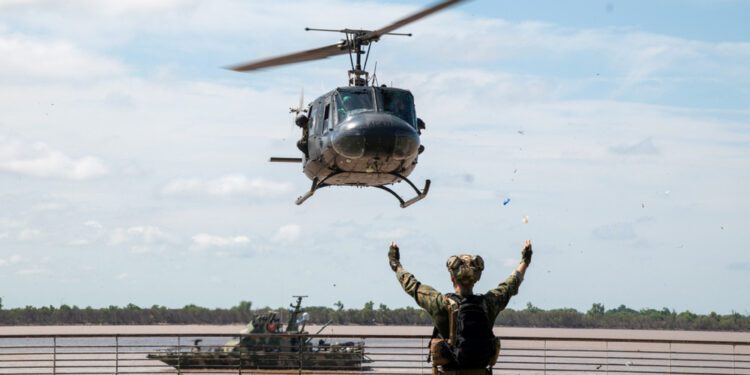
[394, 354]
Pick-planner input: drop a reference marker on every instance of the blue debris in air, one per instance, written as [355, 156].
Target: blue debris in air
[506, 201]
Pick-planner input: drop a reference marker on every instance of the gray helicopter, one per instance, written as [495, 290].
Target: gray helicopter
[363, 134]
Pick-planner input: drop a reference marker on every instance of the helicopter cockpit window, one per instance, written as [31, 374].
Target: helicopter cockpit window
[400, 103]
[351, 102]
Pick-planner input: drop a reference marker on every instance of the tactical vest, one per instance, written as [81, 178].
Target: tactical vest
[471, 348]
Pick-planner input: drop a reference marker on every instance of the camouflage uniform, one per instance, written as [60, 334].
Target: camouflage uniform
[437, 304]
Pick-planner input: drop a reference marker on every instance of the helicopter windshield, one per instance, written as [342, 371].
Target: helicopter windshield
[400, 103]
[351, 102]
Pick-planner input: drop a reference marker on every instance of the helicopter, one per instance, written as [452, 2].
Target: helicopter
[363, 134]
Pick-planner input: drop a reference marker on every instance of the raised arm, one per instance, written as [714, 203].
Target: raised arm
[499, 297]
[526, 258]
[426, 296]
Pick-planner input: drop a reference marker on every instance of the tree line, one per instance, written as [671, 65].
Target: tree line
[621, 317]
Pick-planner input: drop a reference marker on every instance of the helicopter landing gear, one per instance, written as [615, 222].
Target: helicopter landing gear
[420, 194]
[322, 183]
[309, 194]
[315, 186]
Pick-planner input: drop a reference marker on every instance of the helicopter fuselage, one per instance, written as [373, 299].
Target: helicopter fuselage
[361, 136]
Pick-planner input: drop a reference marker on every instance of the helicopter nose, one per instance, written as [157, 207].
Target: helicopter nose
[375, 134]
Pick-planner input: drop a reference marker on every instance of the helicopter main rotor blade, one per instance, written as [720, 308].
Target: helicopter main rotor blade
[312, 54]
[426, 12]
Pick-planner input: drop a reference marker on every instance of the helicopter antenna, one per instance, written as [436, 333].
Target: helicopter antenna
[355, 40]
[299, 109]
[374, 79]
[367, 56]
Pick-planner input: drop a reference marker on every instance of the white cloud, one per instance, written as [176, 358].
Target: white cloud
[79, 242]
[143, 249]
[15, 259]
[25, 56]
[36, 270]
[388, 234]
[225, 186]
[3, 262]
[51, 206]
[287, 234]
[204, 240]
[40, 160]
[644, 147]
[110, 7]
[4, 235]
[121, 276]
[138, 235]
[93, 224]
[615, 232]
[28, 234]
[510, 262]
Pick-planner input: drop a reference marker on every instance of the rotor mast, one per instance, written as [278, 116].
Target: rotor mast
[353, 45]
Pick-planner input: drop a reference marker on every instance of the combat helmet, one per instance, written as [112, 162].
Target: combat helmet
[465, 269]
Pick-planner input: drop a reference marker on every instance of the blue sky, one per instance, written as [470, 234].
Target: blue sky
[133, 169]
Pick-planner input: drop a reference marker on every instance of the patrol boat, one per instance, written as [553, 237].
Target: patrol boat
[272, 349]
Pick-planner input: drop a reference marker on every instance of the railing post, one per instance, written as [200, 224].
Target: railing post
[299, 353]
[54, 355]
[670, 357]
[606, 356]
[545, 356]
[179, 354]
[239, 370]
[117, 354]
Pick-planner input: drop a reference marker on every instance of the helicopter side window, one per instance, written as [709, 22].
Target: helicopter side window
[326, 118]
[351, 102]
[314, 119]
[401, 104]
[319, 120]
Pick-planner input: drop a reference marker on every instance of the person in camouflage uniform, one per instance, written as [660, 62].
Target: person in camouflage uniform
[465, 271]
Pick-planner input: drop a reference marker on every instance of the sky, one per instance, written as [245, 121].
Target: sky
[134, 168]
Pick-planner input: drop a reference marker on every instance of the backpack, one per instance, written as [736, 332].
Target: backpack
[471, 344]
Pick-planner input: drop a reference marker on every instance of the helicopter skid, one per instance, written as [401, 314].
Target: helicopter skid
[419, 197]
[322, 183]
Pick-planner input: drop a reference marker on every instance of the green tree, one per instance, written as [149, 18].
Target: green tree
[244, 306]
[339, 306]
[596, 310]
[368, 306]
[532, 308]
[1, 303]
[383, 307]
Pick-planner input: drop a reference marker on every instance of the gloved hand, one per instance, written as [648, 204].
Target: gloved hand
[526, 252]
[394, 256]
